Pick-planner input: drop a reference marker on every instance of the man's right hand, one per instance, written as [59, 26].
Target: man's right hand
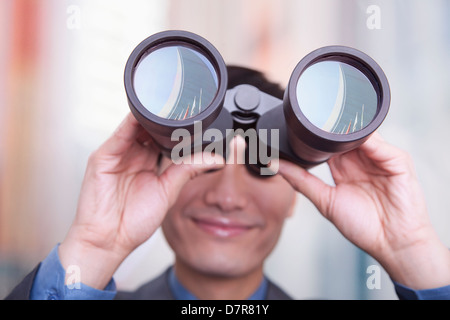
[124, 199]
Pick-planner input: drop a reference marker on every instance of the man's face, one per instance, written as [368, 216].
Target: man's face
[225, 223]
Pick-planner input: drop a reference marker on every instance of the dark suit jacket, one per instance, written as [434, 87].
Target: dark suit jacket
[156, 289]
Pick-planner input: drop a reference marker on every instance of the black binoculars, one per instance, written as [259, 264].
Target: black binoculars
[177, 81]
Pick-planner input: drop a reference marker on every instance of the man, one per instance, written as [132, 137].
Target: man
[222, 222]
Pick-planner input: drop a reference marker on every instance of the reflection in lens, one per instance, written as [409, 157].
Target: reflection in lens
[175, 82]
[336, 97]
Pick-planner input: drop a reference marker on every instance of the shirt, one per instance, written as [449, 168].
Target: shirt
[49, 284]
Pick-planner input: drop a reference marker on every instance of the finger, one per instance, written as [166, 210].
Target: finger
[177, 175]
[387, 156]
[143, 137]
[376, 148]
[123, 137]
[317, 191]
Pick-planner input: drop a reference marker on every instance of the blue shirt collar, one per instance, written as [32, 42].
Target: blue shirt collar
[181, 293]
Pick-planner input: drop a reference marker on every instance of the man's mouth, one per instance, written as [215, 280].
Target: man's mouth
[222, 227]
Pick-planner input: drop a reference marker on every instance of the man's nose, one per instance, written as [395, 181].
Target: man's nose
[229, 191]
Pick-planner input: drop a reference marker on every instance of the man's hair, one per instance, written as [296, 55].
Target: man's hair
[240, 75]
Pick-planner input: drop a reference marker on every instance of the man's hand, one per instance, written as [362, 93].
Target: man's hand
[123, 201]
[378, 205]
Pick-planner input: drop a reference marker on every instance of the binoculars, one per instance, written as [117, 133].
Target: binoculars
[335, 99]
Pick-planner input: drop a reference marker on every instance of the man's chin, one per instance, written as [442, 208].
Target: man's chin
[223, 266]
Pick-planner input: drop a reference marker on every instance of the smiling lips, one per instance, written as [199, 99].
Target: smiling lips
[222, 227]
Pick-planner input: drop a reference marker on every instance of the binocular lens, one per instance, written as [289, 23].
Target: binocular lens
[175, 82]
[336, 97]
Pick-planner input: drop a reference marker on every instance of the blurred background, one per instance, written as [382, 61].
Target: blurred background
[62, 95]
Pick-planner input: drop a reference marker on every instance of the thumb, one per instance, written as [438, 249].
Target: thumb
[177, 175]
[317, 191]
